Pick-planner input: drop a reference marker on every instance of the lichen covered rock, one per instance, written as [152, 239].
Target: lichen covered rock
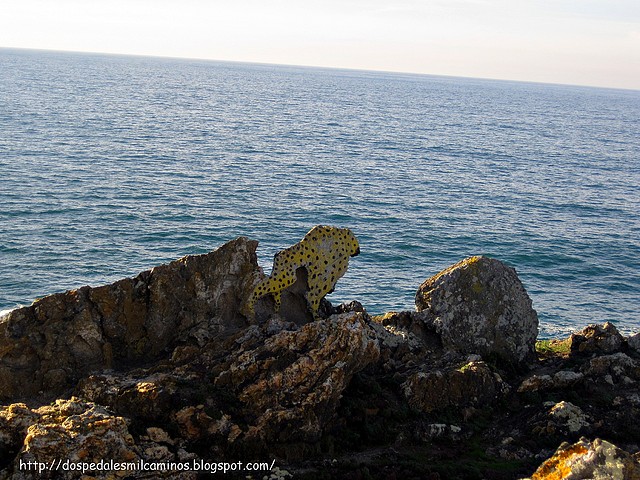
[569, 416]
[70, 431]
[480, 306]
[589, 460]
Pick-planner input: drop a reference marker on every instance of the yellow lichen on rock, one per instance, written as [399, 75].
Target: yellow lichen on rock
[324, 252]
[596, 460]
[559, 466]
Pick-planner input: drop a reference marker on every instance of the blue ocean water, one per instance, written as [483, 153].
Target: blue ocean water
[110, 165]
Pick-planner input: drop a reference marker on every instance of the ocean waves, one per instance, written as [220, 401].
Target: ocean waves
[111, 165]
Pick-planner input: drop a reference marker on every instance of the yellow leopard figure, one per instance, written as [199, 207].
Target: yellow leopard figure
[324, 252]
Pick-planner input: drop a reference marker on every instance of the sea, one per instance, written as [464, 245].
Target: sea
[110, 165]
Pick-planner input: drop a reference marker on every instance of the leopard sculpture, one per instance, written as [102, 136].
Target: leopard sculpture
[324, 252]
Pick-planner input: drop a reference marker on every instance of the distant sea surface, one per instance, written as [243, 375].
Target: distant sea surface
[110, 165]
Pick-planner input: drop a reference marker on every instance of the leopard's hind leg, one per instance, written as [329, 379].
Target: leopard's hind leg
[273, 285]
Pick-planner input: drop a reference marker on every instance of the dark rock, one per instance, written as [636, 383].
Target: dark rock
[471, 385]
[294, 306]
[560, 380]
[535, 383]
[634, 342]
[51, 344]
[417, 324]
[613, 369]
[434, 431]
[409, 344]
[596, 339]
[480, 306]
[352, 306]
[142, 395]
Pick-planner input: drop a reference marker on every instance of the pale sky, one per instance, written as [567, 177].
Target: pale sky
[582, 42]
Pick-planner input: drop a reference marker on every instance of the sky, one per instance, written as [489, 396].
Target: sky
[580, 42]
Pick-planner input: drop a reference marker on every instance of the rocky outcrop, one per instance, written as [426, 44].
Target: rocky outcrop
[291, 384]
[480, 306]
[283, 386]
[168, 367]
[596, 339]
[53, 343]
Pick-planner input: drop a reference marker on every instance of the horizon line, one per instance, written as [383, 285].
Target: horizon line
[325, 67]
